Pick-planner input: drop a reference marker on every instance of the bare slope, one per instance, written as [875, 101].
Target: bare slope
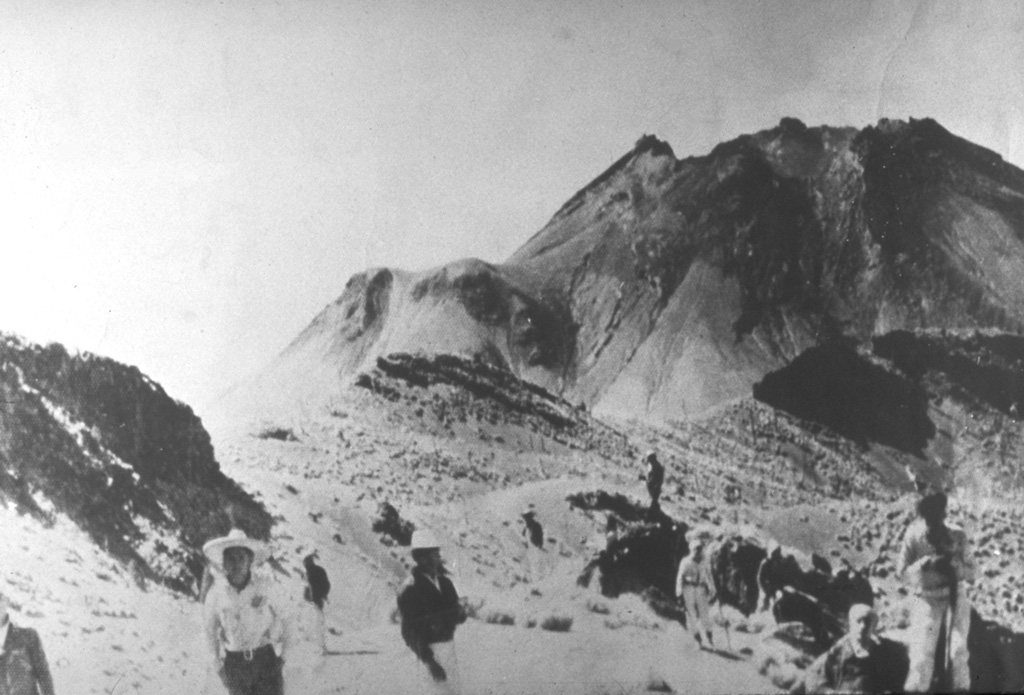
[666, 287]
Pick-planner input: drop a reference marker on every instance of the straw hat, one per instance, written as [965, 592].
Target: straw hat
[423, 540]
[236, 538]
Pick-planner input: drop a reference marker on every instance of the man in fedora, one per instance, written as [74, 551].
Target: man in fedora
[430, 610]
[243, 621]
[23, 667]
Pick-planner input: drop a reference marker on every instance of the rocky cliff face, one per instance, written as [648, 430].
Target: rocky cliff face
[99, 442]
[666, 287]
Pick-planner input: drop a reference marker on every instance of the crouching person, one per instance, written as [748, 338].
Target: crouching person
[243, 621]
[430, 610]
[860, 662]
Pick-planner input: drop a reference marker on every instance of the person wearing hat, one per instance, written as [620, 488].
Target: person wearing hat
[243, 620]
[937, 560]
[430, 609]
[858, 663]
[695, 586]
[655, 477]
[23, 667]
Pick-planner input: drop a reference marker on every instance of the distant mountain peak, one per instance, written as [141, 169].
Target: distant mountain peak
[665, 287]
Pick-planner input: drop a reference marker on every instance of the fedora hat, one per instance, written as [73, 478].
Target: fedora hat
[236, 538]
[423, 540]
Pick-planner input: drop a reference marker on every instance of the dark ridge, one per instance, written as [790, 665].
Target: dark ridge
[978, 369]
[136, 454]
[834, 386]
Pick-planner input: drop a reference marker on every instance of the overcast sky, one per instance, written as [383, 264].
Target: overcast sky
[184, 185]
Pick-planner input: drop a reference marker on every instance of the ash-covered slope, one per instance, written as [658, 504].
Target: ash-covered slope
[668, 286]
[100, 443]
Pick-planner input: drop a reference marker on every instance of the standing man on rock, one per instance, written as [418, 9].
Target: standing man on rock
[430, 610]
[655, 477]
[696, 587]
[936, 559]
[318, 586]
[243, 622]
[23, 667]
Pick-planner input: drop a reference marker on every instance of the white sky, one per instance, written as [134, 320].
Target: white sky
[184, 185]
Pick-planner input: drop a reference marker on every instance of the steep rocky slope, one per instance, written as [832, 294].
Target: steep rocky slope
[95, 441]
[666, 287]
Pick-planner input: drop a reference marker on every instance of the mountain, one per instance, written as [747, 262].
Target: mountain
[666, 287]
[97, 442]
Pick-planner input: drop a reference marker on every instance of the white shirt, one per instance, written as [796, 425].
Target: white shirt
[243, 620]
[693, 572]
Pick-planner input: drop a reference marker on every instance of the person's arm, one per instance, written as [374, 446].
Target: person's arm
[908, 554]
[212, 629]
[280, 629]
[967, 567]
[40, 668]
[679, 578]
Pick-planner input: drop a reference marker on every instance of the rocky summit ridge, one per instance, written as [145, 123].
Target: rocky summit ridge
[667, 287]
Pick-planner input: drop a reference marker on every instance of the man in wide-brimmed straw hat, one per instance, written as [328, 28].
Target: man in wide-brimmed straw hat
[430, 610]
[243, 621]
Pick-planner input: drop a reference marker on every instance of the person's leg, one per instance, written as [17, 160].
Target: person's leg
[693, 617]
[321, 630]
[446, 655]
[961, 625]
[238, 676]
[268, 678]
[925, 621]
[703, 606]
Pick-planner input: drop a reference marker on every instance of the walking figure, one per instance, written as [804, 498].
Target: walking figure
[695, 586]
[533, 532]
[430, 609]
[318, 586]
[936, 560]
[242, 618]
[655, 477]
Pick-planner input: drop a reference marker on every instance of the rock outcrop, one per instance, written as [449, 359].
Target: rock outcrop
[99, 442]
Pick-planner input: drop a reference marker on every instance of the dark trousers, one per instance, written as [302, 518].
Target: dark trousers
[258, 675]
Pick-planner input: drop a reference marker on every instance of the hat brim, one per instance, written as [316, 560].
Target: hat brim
[214, 550]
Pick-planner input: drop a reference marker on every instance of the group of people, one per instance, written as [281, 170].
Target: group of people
[246, 632]
[935, 560]
[247, 641]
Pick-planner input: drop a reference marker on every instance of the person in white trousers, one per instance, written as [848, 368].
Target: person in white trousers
[695, 586]
[937, 560]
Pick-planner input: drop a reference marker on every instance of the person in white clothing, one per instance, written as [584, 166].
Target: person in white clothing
[696, 587]
[243, 619]
[937, 561]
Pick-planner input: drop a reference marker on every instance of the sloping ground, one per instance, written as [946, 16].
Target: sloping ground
[667, 287]
[97, 441]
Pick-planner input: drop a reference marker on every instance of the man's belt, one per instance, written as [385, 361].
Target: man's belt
[250, 654]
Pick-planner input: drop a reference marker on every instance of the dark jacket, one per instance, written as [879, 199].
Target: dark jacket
[23, 668]
[428, 615]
